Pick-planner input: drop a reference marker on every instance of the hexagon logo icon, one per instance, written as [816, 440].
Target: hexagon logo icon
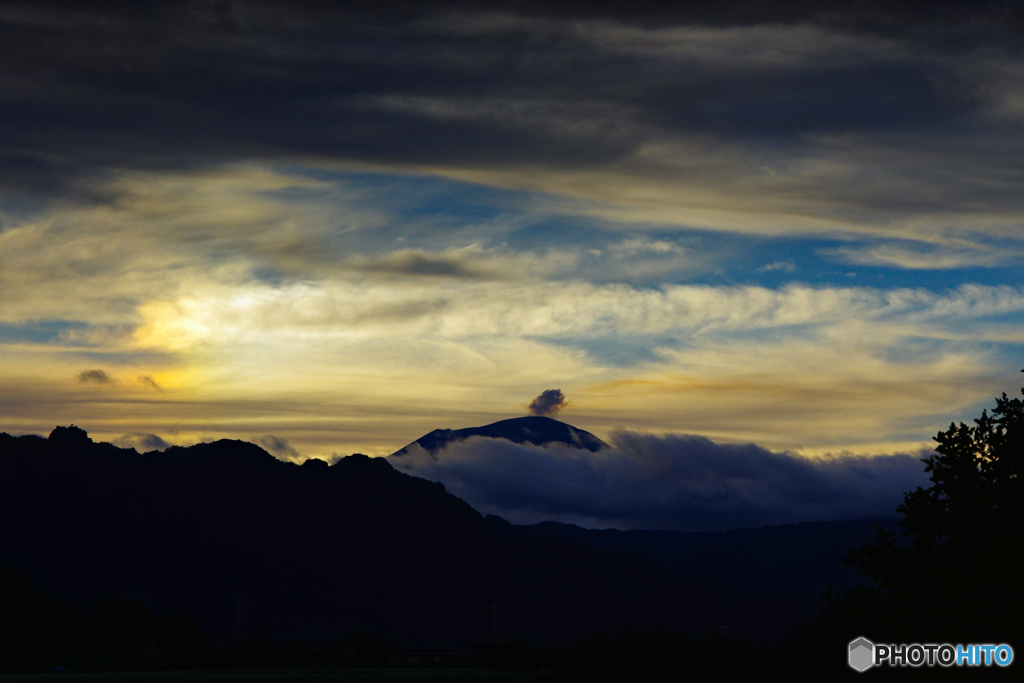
[862, 654]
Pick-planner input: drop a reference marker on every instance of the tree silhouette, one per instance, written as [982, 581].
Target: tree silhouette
[959, 561]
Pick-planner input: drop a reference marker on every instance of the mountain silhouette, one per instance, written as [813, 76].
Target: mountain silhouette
[534, 429]
[305, 553]
[257, 549]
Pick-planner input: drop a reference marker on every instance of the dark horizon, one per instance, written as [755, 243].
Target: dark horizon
[569, 476]
[323, 552]
[167, 544]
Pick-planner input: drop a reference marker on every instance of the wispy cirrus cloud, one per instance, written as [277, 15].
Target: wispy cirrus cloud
[565, 310]
[795, 367]
[934, 258]
[224, 284]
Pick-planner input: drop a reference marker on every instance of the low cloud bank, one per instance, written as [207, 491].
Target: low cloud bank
[681, 482]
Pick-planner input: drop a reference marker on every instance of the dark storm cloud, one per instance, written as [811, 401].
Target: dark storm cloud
[548, 403]
[100, 87]
[95, 376]
[93, 87]
[681, 482]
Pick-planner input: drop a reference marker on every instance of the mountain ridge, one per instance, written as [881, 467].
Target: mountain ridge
[533, 429]
[316, 552]
[313, 553]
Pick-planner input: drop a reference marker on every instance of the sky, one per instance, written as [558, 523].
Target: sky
[331, 228]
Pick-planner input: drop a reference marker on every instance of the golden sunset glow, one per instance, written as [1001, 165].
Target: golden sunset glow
[820, 256]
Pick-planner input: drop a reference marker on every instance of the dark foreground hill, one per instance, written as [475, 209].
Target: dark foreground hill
[255, 548]
[535, 430]
[808, 554]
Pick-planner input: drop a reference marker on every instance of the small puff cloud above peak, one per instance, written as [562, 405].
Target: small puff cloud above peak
[548, 403]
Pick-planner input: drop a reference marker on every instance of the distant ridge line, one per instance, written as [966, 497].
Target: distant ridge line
[535, 430]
